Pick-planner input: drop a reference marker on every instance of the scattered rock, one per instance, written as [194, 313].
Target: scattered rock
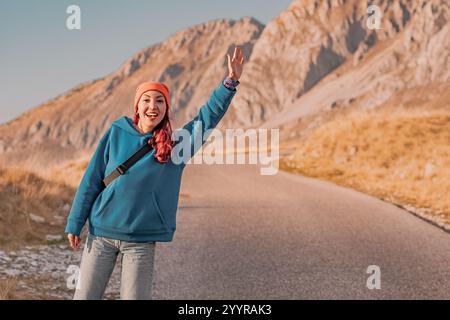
[57, 220]
[12, 272]
[36, 218]
[43, 270]
[429, 170]
[4, 257]
[53, 237]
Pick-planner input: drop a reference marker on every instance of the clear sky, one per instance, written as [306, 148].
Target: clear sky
[40, 58]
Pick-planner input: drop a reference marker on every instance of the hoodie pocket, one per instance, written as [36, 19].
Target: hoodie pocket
[149, 218]
[133, 211]
[158, 209]
[105, 200]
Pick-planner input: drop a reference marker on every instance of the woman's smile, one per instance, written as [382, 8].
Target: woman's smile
[152, 115]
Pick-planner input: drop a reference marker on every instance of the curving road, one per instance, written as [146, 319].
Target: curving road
[242, 235]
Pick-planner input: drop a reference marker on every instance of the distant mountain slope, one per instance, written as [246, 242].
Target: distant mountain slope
[317, 59]
[192, 62]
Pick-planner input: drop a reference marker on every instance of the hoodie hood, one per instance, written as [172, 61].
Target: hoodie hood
[126, 124]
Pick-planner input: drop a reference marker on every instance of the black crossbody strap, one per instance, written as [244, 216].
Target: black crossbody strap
[121, 169]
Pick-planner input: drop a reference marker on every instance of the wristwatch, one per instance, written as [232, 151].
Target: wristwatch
[230, 83]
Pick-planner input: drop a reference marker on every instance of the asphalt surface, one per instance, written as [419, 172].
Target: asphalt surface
[243, 235]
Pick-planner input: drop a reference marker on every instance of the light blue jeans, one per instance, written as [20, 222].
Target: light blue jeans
[98, 261]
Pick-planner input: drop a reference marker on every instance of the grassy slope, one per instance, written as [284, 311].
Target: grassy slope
[46, 192]
[402, 157]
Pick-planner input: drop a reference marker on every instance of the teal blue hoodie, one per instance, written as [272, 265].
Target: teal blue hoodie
[140, 205]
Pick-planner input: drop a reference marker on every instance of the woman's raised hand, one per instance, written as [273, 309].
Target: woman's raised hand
[235, 64]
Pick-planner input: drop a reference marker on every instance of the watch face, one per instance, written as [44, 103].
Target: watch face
[231, 81]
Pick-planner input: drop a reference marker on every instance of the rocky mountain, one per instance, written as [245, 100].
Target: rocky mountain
[192, 62]
[320, 55]
[315, 60]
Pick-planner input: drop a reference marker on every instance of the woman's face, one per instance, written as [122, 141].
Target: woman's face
[151, 109]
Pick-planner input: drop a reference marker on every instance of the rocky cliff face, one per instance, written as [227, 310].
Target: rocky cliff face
[316, 58]
[327, 46]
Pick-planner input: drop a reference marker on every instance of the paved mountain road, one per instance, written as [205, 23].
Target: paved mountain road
[242, 235]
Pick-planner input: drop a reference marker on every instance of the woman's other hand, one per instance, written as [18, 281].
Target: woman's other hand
[74, 241]
[235, 64]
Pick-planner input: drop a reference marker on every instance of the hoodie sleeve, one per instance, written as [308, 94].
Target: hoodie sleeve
[90, 187]
[207, 117]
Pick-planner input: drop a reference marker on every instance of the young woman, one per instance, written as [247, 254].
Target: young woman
[138, 208]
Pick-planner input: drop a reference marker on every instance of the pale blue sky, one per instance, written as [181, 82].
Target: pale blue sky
[40, 58]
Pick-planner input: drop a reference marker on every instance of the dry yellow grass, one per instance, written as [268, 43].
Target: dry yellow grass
[7, 289]
[27, 190]
[402, 157]
[10, 288]
[33, 188]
